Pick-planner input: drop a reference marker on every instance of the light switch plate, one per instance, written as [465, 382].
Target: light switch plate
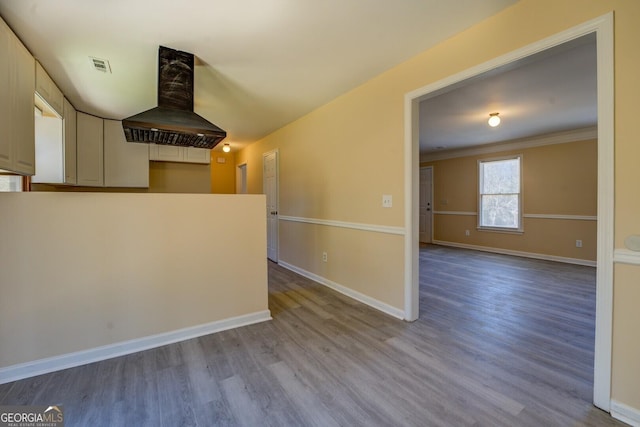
[387, 201]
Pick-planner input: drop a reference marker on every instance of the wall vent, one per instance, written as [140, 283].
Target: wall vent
[100, 64]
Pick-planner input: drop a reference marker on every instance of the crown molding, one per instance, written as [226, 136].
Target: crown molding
[564, 137]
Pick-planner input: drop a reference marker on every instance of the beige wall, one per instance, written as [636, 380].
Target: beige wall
[557, 179]
[223, 175]
[83, 270]
[172, 177]
[337, 161]
[626, 351]
[364, 260]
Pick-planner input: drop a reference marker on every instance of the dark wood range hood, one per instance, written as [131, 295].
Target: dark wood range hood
[173, 121]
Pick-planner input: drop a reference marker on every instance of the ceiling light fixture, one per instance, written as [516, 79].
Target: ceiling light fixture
[494, 119]
[226, 148]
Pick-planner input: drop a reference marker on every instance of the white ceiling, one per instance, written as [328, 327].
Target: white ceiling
[553, 91]
[262, 63]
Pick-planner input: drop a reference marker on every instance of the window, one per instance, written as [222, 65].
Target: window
[500, 196]
[12, 182]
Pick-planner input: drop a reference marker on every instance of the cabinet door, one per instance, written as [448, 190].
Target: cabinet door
[6, 147]
[168, 153]
[23, 119]
[69, 142]
[197, 155]
[90, 155]
[171, 153]
[17, 84]
[126, 164]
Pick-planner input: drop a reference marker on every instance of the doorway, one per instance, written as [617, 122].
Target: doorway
[603, 29]
[426, 201]
[270, 189]
[241, 179]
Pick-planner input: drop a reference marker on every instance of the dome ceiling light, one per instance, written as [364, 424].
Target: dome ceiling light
[494, 119]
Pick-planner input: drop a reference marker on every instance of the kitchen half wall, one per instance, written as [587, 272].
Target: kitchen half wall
[86, 276]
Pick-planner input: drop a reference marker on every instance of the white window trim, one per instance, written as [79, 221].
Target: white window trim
[520, 229]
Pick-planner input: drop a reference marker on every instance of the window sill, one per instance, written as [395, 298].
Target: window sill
[501, 230]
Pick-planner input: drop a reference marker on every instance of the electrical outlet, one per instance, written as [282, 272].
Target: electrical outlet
[324, 257]
[467, 233]
[387, 201]
[578, 243]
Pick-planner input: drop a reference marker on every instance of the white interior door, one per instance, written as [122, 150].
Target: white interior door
[426, 176]
[270, 188]
[241, 179]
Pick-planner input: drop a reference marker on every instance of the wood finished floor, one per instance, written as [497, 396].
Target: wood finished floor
[501, 341]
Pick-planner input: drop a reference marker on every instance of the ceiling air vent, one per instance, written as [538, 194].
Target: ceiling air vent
[100, 64]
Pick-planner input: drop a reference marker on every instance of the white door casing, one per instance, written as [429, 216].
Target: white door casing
[426, 203]
[270, 189]
[603, 28]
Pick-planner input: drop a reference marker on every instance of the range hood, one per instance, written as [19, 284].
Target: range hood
[173, 121]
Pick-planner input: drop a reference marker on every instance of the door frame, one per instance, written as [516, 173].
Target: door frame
[277, 236]
[431, 210]
[604, 30]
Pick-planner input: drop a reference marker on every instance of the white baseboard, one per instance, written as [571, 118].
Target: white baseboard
[625, 413]
[533, 255]
[372, 302]
[70, 360]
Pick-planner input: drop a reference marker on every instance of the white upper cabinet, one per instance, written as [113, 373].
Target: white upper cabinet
[17, 86]
[126, 164]
[90, 150]
[166, 153]
[197, 155]
[47, 89]
[24, 123]
[96, 153]
[69, 142]
[6, 144]
[171, 153]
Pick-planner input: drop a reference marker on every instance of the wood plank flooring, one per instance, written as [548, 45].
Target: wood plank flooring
[501, 341]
